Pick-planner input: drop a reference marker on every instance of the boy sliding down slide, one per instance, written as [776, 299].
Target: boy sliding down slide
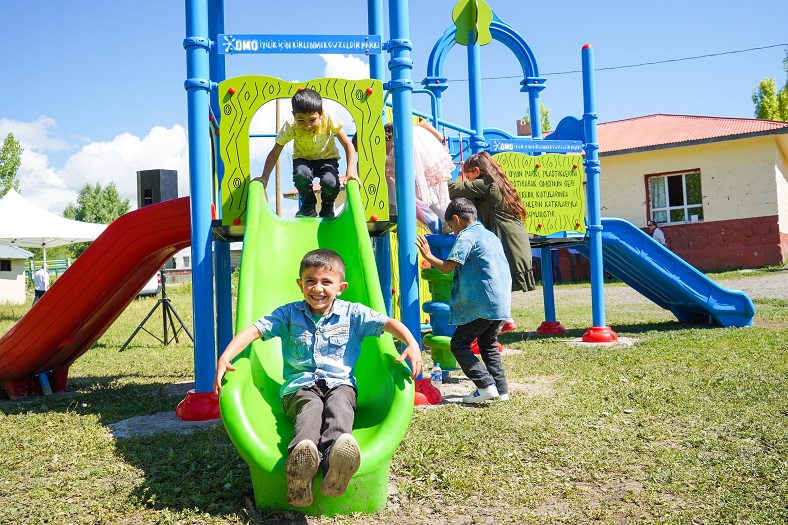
[321, 342]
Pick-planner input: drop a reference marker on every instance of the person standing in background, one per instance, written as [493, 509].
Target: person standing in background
[657, 233]
[40, 282]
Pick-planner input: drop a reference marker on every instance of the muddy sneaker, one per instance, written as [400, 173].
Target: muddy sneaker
[300, 467]
[306, 211]
[481, 395]
[344, 459]
[327, 209]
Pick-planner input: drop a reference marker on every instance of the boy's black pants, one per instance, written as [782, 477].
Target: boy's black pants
[326, 170]
[486, 332]
[320, 414]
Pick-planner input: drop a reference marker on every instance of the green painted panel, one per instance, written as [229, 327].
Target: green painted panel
[551, 187]
[241, 97]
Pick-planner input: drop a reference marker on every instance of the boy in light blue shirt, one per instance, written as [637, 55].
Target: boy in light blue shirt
[321, 342]
[481, 298]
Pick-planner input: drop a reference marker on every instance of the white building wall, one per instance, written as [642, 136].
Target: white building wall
[12, 284]
[737, 179]
[781, 176]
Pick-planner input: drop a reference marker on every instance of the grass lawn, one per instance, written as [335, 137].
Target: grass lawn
[683, 424]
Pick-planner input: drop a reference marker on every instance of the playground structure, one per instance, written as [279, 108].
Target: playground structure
[31, 360]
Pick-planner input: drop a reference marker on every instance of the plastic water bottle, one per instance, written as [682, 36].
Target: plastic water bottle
[437, 377]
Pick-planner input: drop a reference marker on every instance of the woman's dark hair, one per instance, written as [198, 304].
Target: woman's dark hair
[491, 169]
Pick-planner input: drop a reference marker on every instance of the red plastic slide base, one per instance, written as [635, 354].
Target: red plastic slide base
[550, 328]
[22, 387]
[475, 347]
[198, 406]
[600, 334]
[426, 394]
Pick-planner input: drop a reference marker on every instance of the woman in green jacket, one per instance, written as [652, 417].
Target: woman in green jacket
[501, 211]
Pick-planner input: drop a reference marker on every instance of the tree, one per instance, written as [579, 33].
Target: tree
[771, 104]
[544, 117]
[97, 205]
[10, 160]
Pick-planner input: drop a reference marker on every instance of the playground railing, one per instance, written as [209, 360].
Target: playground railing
[55, 267]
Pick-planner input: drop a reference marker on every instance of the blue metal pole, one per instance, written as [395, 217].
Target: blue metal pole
[474, 94]
[437, 85]
[198, 87]
[548, 284]
[377, 67]
[377, 70]
[592, 170]
[534, 113]
[401, 86]
[221, 250]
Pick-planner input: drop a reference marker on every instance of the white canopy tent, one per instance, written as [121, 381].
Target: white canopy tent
[22, 223]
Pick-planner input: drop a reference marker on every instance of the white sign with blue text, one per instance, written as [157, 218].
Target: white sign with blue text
[344, 44]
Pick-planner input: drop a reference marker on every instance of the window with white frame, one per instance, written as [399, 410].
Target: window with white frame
[676, 197]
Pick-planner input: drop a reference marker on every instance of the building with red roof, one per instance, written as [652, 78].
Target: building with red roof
[717, 186]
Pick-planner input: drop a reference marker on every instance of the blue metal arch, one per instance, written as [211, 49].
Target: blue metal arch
[532, 83]
[501, 32]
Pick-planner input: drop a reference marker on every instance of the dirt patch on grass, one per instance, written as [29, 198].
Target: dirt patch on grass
[769, 323]
[457, 386]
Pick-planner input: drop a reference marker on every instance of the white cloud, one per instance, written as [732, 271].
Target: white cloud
[33, 135]
[104, 162]
[345, 66]
[119, 161]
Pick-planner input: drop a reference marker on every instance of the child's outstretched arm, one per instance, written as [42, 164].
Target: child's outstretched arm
[429, 127]
[238, 343]
[270, 162]
[412, 352]
[424, 247]
[350, 152]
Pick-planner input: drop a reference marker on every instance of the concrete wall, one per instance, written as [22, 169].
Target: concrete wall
[720, 245]
[12, 284]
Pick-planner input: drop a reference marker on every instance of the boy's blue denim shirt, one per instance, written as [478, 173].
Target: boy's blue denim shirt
[327, 349]
[482, 285]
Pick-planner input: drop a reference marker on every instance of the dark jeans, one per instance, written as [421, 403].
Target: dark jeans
[320, 414]
[327, 170]
[39, 295]
[486, 332]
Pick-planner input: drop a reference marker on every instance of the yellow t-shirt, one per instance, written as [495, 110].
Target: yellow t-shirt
[315, 145]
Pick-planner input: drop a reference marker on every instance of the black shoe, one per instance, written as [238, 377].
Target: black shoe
[327, 210]
[306, 211]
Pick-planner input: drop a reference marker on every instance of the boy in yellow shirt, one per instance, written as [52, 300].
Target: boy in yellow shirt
[315, 153]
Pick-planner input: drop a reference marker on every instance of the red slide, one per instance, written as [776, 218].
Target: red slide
[90, 295]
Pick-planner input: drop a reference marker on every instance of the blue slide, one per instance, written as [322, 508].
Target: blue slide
[635, 258]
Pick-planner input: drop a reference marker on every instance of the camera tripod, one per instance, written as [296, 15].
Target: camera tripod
[168, 310]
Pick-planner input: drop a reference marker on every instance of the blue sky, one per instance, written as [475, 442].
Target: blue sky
[94, 89]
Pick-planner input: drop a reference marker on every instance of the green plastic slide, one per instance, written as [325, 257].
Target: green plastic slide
[250, 403]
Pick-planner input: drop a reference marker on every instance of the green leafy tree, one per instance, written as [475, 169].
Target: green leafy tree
[97, 205]
[10, 160]
[771, 104]
[544, 117]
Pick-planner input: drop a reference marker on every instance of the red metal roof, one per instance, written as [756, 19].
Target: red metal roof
[658, 130]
